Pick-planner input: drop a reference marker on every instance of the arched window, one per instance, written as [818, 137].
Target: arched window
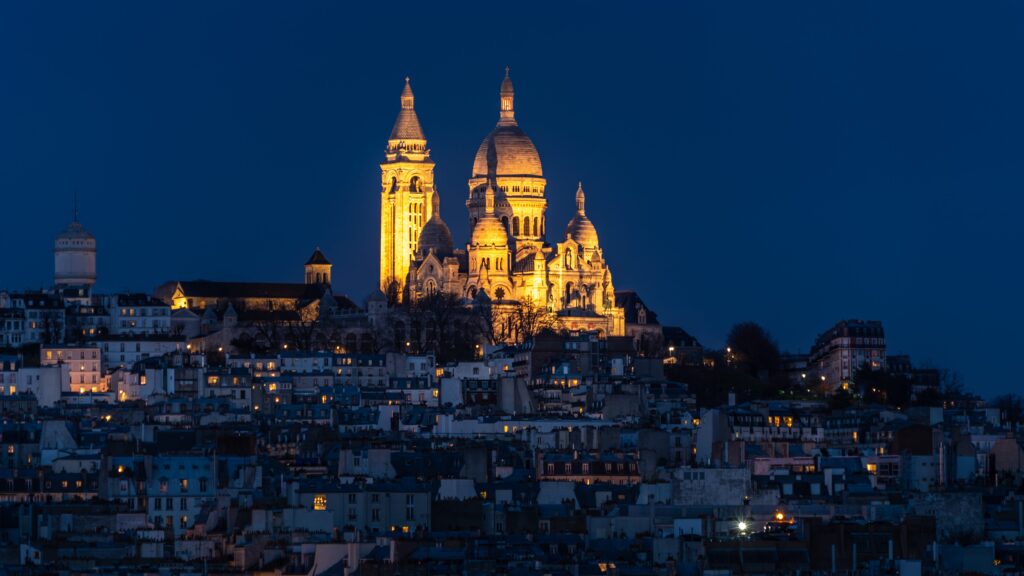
[526, 226]
[536, 226]
[394, 185]
[504, 221]
[569, 288]
[568, 259]
[414, 184]
[515, 225]
[472, 291]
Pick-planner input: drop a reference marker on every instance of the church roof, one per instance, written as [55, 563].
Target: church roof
[435, 233]
[489, 231]
[317, 258]
[507, 150]
[580, 228]
[407, 125]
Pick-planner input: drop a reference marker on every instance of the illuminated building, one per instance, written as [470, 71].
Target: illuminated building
[508, 258]
[407, 195]
[850, 345]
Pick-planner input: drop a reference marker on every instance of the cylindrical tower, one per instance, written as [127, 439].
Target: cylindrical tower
[74, 257]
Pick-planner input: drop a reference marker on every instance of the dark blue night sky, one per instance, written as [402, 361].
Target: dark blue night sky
[791, 163]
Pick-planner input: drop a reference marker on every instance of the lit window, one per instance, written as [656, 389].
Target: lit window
[320, 502]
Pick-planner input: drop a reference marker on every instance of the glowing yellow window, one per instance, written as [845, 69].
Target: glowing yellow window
[320, 502]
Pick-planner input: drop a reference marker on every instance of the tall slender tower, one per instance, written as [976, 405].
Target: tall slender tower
[407, 190]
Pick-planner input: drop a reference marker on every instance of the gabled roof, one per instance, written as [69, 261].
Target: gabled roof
[631, 303]
[318, 258]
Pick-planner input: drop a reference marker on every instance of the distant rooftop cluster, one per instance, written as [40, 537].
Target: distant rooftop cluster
[439, 426]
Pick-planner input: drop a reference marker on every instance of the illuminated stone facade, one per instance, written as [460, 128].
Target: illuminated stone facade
[508, 257]
[407, 189]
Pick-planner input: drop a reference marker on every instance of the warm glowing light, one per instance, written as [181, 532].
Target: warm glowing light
[742, 526]
[780, 516]
[120, 469]
[320, 502]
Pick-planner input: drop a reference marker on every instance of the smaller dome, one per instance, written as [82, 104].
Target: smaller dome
[489, 231]
[580, 228]
[435, 233]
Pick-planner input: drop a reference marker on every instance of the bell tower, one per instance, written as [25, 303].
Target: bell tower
[407, 190]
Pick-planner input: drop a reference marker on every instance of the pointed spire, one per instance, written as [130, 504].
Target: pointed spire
[435, 205]
[508, 94]
[580, 200]
[407, 97]
[489, 201]
[407, 125]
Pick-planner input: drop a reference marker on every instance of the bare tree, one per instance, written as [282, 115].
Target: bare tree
[520, 321]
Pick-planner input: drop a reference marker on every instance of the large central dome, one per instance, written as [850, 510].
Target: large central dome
[507, 150]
